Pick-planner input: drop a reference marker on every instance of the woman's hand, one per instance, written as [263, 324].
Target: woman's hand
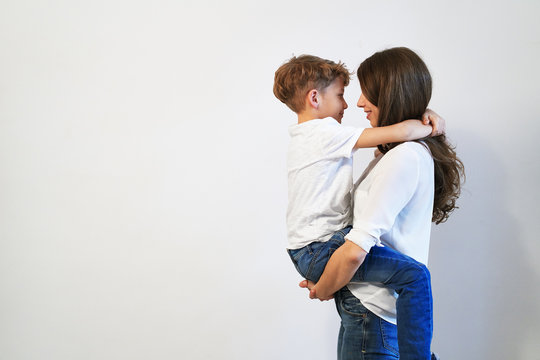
[312, 287]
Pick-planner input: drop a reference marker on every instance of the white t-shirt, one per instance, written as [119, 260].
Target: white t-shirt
[393, 205]
[319, 169]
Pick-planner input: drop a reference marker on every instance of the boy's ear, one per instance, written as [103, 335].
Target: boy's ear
[313, 98]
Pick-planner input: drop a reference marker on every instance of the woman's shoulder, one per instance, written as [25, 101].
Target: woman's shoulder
[406, 149]
[410, 154]
[412, 149]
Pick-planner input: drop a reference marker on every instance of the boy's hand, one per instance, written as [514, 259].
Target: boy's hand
[312, 290]
[438, 124]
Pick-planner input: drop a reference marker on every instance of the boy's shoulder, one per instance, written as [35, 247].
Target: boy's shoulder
[323, 139]
[323, 126]
[314, 123]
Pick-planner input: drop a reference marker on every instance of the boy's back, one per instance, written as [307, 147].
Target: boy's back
[319, 159]
[320, 180]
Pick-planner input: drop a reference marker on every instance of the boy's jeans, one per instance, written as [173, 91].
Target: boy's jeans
[409, 278]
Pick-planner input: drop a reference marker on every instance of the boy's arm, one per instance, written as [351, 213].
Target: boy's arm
[403, 131]
[436, 121]
[432, 125]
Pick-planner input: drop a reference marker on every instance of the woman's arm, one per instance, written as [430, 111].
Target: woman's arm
[338, 272]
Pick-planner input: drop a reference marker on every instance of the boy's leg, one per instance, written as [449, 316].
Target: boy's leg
[411, 280]
[311, 260]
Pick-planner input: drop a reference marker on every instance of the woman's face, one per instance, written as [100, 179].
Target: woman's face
[372, 112]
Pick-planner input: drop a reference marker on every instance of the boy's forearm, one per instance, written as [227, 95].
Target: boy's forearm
[340, 269]
[412, 130]
[402, 131]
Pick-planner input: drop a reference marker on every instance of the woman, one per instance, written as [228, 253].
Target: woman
[404, 189]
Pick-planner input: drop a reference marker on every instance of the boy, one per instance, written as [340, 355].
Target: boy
[319, 213]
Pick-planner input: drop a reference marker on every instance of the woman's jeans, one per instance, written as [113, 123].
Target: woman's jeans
[363, 335]
[409, 278]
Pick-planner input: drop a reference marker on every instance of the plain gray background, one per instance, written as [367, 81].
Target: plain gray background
[143, 182]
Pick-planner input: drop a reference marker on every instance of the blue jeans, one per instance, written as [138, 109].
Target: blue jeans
[363, 335]
[409, 278]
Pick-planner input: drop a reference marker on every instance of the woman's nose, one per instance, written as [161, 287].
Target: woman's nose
[361, 101]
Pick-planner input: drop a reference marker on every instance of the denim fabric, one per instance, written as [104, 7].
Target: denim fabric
[363, 335]
[409, 278]
[311, 259]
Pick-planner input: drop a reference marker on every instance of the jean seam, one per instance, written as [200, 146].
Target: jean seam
[313, 261]
[299, 253]
[342, 233]
[427, 289]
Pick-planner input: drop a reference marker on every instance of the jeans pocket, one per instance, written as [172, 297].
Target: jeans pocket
[307, 260]
[350, 304]
[296, 256]
[389, 336]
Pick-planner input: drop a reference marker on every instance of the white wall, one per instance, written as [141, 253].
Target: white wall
[143, 185]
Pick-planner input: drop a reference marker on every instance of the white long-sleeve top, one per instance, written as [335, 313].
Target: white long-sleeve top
[393, 205]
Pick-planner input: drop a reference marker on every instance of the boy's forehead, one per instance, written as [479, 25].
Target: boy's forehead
[338, 83]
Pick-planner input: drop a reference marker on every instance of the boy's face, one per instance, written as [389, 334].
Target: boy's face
[332, 104]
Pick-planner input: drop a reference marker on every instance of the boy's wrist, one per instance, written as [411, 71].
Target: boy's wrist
[416, 129]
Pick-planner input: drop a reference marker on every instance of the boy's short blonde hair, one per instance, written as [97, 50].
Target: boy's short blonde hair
[294, 79]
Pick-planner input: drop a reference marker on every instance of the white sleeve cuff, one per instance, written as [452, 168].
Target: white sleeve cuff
[362, 239]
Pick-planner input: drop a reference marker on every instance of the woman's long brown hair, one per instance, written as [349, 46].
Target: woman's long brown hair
[398, 82]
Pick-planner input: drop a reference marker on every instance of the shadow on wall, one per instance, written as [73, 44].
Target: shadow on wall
[484, 282]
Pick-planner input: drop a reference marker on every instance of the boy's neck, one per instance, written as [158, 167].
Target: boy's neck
[306, 116]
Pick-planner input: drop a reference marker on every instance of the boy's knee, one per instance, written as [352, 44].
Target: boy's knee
[422, 273]
[417, 272]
